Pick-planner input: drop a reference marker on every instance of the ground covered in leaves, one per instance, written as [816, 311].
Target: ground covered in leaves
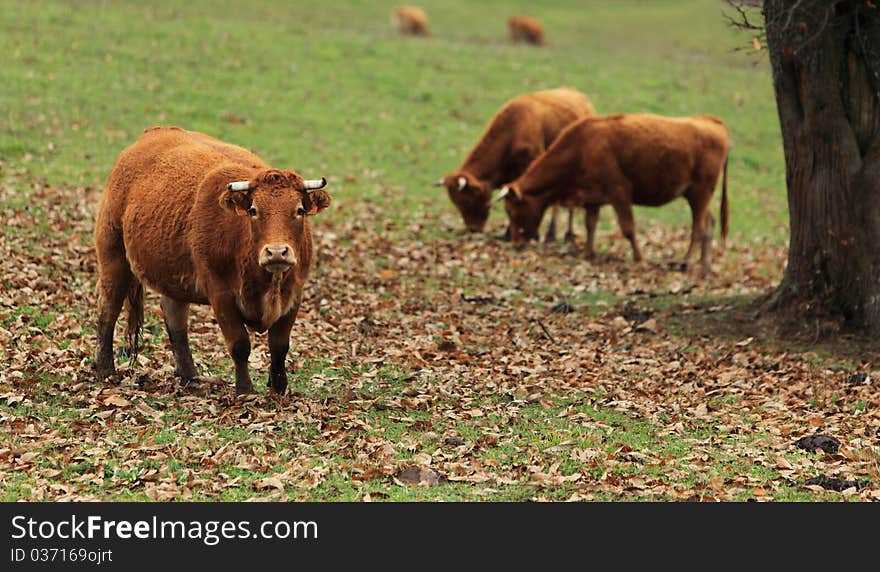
[431, 365]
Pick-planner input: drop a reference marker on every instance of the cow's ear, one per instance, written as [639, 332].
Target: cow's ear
[317, 201]
[237, 201]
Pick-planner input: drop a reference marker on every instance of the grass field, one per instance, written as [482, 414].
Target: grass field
[335, 91]
[427, 365]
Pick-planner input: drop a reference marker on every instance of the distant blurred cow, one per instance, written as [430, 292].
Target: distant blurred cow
[526, 30]
[409, 20]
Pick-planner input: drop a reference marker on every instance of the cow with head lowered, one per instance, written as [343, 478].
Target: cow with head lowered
[520, 131]
[525, 30]
[622, 160]
[410, 21]
[201, 221]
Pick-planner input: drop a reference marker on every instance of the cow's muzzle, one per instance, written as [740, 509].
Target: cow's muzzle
[277, 258]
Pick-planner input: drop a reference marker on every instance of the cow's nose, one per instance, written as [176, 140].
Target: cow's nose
[277, 257]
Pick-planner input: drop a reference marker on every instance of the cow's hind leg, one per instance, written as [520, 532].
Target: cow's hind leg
[115, 280]
[550, 235]
[706, 246]
[175, 315]
[698, 197]
[279, 343]
[627, 224]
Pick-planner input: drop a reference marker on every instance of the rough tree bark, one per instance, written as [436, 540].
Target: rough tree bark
[825, 56]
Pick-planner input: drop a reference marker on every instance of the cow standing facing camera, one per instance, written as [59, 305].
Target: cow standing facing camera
[201, 221]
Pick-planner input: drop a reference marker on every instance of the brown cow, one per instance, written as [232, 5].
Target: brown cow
[623, 160]
[521, 130]
[411, 21]
[523, 29]
[204, 222]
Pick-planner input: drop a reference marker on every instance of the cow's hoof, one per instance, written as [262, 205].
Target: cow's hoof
[187, 378]
[278, 384]
[243, 389]
[194, 381]
[569, 238]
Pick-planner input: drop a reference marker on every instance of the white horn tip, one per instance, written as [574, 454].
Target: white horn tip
[462, 183]
[438, 183]
[503, 193]
[315, 184]
[239, 186]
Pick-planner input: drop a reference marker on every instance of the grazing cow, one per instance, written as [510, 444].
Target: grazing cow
[201, 221]
[411, 21]
[526, 30]
[623, 160]
[523, 128]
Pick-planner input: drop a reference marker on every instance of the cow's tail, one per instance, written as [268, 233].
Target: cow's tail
[135, 303]
[725, 209]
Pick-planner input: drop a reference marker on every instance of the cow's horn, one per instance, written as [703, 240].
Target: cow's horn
[239, 186]
[504, 192]
[439, 183]
[314, 184]
[462, 183]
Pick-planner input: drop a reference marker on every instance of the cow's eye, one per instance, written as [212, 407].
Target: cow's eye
[300, 211]
[252, 211]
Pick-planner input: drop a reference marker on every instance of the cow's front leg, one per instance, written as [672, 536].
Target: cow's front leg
[506, 236]
[238, 341]
[550, 235]
[279, 343]
[592, 220]
[569, 234]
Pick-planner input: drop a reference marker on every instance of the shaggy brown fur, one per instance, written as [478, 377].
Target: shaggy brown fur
[521, 130]
[523, 29]
[168, 221]
[410, 21]
[623, 160]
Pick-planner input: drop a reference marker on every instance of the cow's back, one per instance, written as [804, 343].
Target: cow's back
[658, 156]
[150, 195]
[555, 109]
[523, 128]
[166, 164]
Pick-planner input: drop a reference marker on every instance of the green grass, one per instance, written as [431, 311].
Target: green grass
[333, 91]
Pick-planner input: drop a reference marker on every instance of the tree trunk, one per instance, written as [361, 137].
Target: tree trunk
[826, 72]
